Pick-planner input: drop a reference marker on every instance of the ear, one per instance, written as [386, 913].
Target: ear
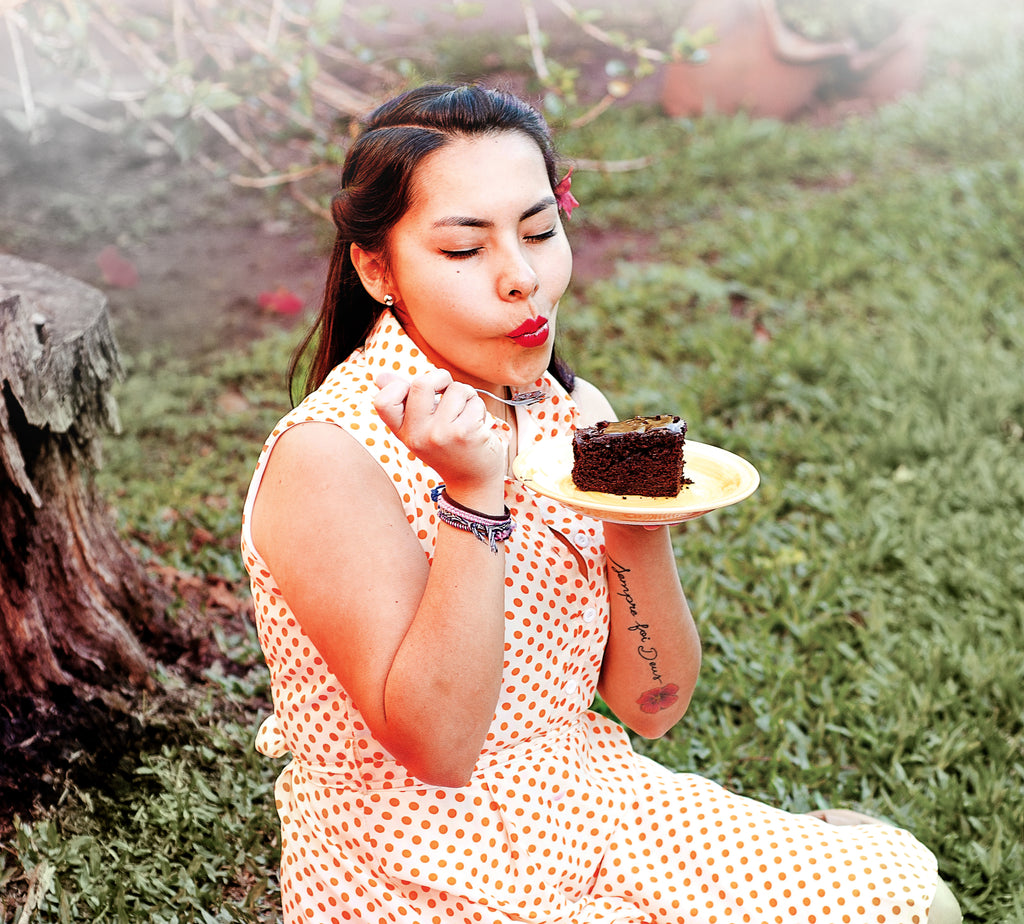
[371, 270]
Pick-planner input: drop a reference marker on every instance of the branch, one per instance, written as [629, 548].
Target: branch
[615, 166]
[274, 23]
[536, 39]
[233, 138]
[27, 101]
[144, 55]
[334, 93]
[593, 112]
[315, 207]
[106, 126]
[278, 179]
[605, 38]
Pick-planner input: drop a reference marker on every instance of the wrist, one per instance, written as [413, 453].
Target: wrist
[488, 500]
[486, 527]
[636, 541]
[636, 532]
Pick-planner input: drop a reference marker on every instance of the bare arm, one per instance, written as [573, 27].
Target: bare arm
[653, 655]
[652, 658]
[418, 647]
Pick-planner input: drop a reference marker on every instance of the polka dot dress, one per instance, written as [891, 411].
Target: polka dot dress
[562, 822]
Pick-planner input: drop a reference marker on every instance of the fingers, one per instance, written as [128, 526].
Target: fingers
[424, 391]
[461, 406]
[428, 400]
[390, 400]
[846, 817]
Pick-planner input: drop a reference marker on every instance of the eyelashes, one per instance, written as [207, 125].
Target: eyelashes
[473, 251]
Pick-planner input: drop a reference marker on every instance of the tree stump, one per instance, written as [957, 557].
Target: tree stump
[72, 594]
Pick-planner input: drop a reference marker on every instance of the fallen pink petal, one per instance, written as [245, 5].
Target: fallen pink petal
[117, 269]
[281, 301]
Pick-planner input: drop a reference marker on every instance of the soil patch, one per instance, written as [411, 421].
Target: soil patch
[201, 249]
[197, 252]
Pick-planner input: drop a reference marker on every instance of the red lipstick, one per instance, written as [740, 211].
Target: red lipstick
[532, 332]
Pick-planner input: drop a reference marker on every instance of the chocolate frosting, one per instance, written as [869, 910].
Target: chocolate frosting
[641, 424]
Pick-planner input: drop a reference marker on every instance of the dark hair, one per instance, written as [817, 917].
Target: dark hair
[375, 188]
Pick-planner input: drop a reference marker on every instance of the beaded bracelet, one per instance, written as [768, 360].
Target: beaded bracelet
[491, 530]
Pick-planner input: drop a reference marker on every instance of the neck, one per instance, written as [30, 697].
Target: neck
[508, 414]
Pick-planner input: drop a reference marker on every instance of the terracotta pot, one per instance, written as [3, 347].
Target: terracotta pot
[899, 67]
[756, 65]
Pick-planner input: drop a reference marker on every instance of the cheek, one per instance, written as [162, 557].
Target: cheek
[457, 290]
[441, 292]
[559, 272]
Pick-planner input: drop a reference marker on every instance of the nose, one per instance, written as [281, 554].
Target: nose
[517, 279]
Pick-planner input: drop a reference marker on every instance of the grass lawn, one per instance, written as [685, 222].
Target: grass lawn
[843, 305]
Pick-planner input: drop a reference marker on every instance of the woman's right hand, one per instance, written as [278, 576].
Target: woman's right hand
[445, 424]
[392, 624]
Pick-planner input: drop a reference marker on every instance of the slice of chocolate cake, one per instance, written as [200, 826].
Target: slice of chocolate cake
[641, 456]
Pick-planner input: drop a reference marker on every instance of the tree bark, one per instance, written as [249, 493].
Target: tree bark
[72, 594]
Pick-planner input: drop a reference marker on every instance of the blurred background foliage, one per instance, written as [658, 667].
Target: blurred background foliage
[839, 300]
[261, 91]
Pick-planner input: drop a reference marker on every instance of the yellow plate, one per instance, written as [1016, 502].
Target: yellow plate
[720, 478]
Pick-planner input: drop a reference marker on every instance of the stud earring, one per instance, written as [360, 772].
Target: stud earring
[389, 300]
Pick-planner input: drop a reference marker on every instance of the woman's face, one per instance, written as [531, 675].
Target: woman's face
[479, 261]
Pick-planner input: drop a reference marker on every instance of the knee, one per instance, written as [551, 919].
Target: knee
[945, 909]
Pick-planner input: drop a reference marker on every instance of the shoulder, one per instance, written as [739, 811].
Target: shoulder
[316, 456]
[321, 489]
[591, 403]
[313, 443]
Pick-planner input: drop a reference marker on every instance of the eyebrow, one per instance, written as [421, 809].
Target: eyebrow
[457, 221]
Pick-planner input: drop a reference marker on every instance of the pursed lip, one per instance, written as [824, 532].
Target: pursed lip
[529, 326]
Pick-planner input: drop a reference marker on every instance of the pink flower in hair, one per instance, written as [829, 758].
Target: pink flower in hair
[563, 194]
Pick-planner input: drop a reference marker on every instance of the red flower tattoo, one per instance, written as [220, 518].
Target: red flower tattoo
[660, 698]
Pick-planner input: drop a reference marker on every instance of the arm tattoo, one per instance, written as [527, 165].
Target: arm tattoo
[658, 698]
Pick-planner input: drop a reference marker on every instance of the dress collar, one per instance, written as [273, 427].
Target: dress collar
[389, 347]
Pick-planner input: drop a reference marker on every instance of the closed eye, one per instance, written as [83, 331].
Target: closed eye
[473, 251]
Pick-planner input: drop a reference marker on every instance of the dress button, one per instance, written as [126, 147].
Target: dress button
[589, 614]
[570, 687]
[582, 539]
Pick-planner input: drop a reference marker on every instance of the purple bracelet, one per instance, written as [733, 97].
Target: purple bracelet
[491, 530]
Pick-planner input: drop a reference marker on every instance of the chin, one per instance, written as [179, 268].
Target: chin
[526, 375]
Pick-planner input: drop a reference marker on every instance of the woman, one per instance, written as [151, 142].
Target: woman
[435, 633]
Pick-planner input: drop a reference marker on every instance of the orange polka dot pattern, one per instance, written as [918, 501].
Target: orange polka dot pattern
[563, 822]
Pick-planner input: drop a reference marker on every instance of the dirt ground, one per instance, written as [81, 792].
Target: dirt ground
[202, 250]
